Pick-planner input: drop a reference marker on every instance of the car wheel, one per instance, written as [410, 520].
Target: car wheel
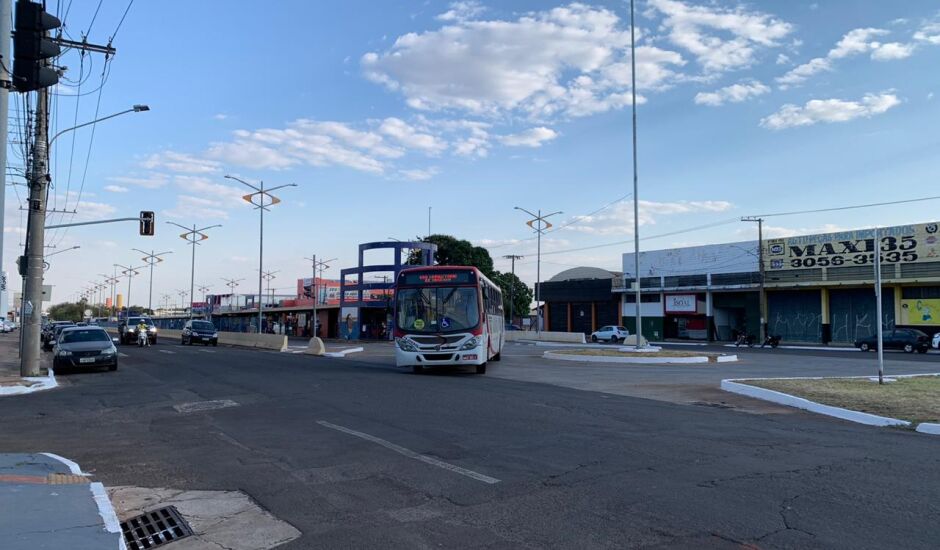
[215, 344]
[182, 341]
[113, 367]
[593, 338]
[908, 348]
[864, 346]
[481, 369]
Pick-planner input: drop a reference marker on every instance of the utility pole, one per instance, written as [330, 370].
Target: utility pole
[130, 272]
[269, 276]
[540, 224]
[636, 185]
[760, 259]
[35, 238]
[313, 294]
[111, 280]
[261, 199]
[205, 299]
[193, 236]
[6, 17]
[512, 288]
[151, 258]
[880, 346]
[429, 221]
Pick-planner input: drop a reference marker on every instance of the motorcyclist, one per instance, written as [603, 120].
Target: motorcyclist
[143, 339]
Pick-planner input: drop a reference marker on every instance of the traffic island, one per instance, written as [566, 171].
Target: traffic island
[627, 355]
[904, 401]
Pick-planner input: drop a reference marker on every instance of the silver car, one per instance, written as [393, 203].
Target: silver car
[610, 333]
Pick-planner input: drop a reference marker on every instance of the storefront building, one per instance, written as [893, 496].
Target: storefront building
[581, 300]
[818, 288]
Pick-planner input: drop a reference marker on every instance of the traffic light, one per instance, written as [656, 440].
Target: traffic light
[31, 47]
[146, 223]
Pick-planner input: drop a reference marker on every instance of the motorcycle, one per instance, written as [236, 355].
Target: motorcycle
[771, 340]
[142, 338]
[744, 339]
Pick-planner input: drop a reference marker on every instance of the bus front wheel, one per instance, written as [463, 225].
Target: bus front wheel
[496, 357]
[481, 369]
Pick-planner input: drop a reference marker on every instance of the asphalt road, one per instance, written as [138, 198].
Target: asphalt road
[357, 454]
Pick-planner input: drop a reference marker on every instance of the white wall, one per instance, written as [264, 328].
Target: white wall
[695, 260]
[646, 309]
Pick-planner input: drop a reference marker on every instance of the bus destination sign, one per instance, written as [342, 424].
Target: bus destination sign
[438, 278]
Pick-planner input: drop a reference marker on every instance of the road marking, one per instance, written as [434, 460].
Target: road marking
[200, 406]
[122, 354]
[207, 350]
[411, 454]
[166, 351]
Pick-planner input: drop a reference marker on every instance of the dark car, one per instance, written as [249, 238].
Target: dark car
[127, 330]
[49, 328]
[54, 331]
[907, 339]
[84, 347]
[199, 331]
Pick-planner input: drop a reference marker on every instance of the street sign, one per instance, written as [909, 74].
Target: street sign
[28, 309]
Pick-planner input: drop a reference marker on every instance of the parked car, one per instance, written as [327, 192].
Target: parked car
[936, 341]
[127, 330]
[84, 347]
[6, 326]
[612, 334]
[54, 331]
[199, 331]
[907, 339]
[50, 327]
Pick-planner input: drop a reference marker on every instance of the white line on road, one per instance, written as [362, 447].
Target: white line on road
[201, 406]
[411, 454]
[166, 351]
[122, 354]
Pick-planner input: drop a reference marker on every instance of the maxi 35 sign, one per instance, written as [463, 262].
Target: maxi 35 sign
[901, 244]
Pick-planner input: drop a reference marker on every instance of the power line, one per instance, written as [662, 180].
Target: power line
[837, 208]
[121, 22]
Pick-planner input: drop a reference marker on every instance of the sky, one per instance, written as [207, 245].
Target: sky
[379, 110]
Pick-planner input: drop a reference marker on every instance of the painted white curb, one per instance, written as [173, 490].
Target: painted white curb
[42, 383]
[342, 353]
[733, 386]
[72, 466]
[612, 359]
[928, 428]
[106, 511]
[631, 349]
[727, 358]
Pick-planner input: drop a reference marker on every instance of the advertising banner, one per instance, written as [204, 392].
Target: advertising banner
[920, 312]
[900, 244]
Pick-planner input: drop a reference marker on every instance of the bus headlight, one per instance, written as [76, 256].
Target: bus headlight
[470, 344]
[405, 344]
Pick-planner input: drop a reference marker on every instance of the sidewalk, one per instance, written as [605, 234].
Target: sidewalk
[48, 502]
[10, 381]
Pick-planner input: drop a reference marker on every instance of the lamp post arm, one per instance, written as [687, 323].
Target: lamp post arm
[131, 110]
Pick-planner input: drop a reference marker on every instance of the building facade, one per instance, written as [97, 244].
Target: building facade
[818, 288]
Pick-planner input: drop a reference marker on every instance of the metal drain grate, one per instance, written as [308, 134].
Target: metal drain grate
[155, 528]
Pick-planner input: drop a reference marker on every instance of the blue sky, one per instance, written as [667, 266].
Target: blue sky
[378, 110]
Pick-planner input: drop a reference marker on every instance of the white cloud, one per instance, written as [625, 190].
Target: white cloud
[567, 61]
[150, 181]
[462, 11]
[220, 116]
[189, 207]
[929, 32]
[619, 218]
[180, 162]
[88, 210]
[783, 59]
[855, 42]
[701, 30]
[829, 110]
[115, 188]
[929, 96]
[223, 193]
[533, 137]
[418, 174]
[774, 232]
[408, 136]
[736, 93]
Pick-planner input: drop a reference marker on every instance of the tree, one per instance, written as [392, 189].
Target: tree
[516, 291]
[67, 311]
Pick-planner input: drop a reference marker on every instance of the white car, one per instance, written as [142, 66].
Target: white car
[612, 334]
[935, 343]
[6, 326]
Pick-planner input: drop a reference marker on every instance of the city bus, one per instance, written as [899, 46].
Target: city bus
[447, 315]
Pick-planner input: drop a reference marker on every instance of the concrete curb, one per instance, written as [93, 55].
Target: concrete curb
[72, 466]
[106, 511]
[928, 428]
[42, 383]
[734, 386]
[634, 360]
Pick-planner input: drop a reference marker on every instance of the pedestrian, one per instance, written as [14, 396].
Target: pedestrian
[348, 326]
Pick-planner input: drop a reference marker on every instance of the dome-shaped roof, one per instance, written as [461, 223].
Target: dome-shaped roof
[580, 273]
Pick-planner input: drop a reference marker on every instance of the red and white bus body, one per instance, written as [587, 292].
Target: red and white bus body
[447, 315]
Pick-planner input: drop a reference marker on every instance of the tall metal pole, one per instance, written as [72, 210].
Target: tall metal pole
[880, 347]
[192, 277]
[762, 296]
[261, 262]
[313, 294]
[512, 288]
[636, 194]
[6, 16]
[429, 221]
[151, 258]
[538, 280]
[32, 295]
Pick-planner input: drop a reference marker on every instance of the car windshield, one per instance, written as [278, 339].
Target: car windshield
[85, 335]
[203, 325]
[438, 309]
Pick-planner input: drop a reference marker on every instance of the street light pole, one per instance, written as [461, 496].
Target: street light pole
[880, 346]
[261, 199]
[636, 185]
[131, 272]
[151, 258]
[512, 286]
[760, 258]
[193, 236]
[540, 224]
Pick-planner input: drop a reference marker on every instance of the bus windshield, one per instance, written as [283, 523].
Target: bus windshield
[438, 309]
